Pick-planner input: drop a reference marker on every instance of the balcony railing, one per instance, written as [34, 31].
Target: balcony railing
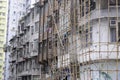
[97, 14]
[99, 53]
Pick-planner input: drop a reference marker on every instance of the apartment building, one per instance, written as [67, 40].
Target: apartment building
[73, 40]
[79, 39]
[24, 48]
[16, 9]
[3, 24]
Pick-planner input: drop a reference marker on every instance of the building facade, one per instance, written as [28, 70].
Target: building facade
[24, 47]
[68, 40]
[3, 24]
[79, 39]
[16, 10]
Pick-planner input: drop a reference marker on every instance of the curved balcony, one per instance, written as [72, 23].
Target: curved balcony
[98, 53]
[98, 14]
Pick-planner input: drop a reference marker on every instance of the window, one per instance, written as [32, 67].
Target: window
[1, 36]
[36, 26]
[1, 48]
[27, 48]
[18, 29]
[85, 35]
[1, 42]
[86, 7]
[33, 14]
[32, 30]
[45, 46]
[1, 1]
[2, 19]
[22, 26]
[119, 31]
[37, 10]
[0, 66]
[89, 37]
[0, 7]
[0, 54]
[40, 48]
[113, 34]
[13, 19]
[2, 13]
[36, 77]
[14, 12]
[49, 21]
[23, 5]
[2, 25]
[56, 16]
[31, 46]
[45, 68]
[50, 44]
[1, 31]
[1, 60]
[113, 2]
[35, 45]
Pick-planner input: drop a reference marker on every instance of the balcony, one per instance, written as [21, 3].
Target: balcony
[5, 48]
[35, 71]
[13, 59]
[34, 53]
[97, 14]
[23, 73]
[21, 33]
[26, 56]
[99, 53]
[21, 59]
[20, 47]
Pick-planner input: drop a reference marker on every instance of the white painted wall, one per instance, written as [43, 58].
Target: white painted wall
[100, 34]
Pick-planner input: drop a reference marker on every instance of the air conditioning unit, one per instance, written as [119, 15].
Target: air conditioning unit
[112, 23]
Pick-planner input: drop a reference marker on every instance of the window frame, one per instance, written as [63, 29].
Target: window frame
[114, 4]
